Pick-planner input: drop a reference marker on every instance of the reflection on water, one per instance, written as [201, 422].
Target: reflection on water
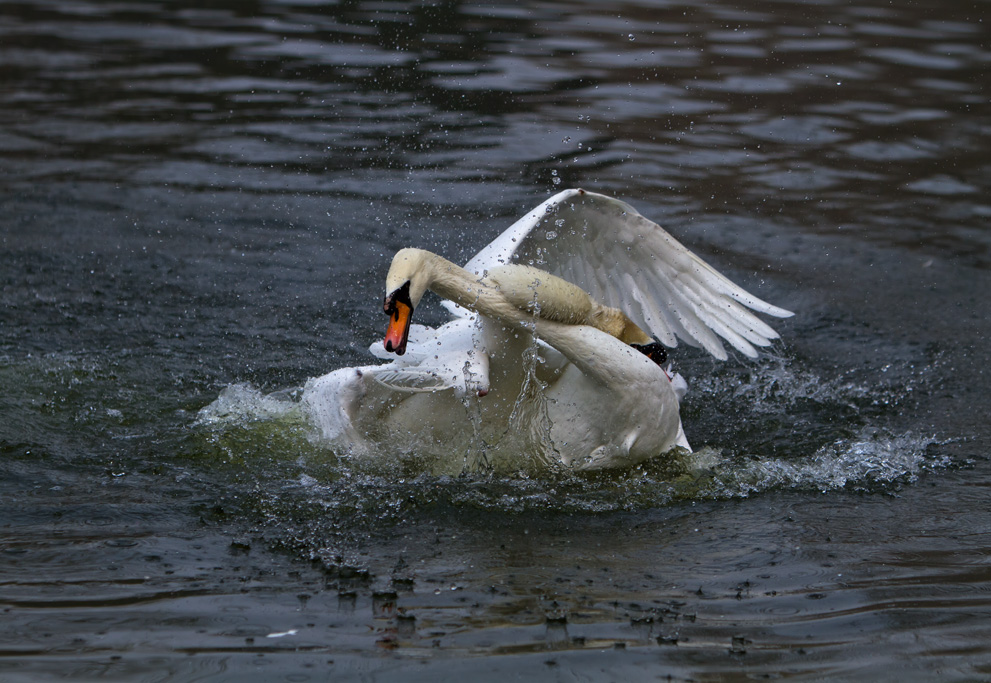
[200, 202]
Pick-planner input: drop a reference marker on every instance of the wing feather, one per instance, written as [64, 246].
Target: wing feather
[412, 379]
[654, 318]
[624, 260]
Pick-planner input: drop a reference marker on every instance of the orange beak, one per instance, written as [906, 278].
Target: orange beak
[400, 311]
[398, 331]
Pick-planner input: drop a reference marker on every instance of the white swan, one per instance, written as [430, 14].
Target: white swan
[547, 356]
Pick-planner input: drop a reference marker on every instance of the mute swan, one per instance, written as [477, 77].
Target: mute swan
[550, 353]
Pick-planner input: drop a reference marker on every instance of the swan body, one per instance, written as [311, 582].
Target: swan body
[545, 361]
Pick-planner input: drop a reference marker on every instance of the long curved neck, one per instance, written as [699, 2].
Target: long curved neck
[456, 284]
[516, 295]
[451, 281]
[598, 355]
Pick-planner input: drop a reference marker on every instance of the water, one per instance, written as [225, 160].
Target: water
[198, 207]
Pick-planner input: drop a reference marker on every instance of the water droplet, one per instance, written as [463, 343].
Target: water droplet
[551, 234]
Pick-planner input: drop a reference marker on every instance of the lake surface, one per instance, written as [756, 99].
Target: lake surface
[198, 204]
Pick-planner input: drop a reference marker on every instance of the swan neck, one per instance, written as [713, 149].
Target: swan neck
[450, 281]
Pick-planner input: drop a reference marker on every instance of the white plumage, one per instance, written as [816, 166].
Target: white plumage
[626, 261]
[536, 369]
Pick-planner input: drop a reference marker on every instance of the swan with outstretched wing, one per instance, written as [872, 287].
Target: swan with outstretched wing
[554, 342]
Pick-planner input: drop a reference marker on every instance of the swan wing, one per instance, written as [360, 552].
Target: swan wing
[435, 360]
[413, 379]
[626, 261]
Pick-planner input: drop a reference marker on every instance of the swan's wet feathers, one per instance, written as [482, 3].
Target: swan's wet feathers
[538, 358]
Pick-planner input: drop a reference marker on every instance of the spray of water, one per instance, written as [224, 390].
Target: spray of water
[245, 424]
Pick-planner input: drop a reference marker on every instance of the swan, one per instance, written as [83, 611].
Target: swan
[555, 350]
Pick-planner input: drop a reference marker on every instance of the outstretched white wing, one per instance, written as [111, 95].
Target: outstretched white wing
[625, 261]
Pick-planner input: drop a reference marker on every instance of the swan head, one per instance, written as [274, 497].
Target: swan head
[405, 285]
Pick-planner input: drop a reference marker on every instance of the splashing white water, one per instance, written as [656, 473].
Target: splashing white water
[241, 404]
[873, 457]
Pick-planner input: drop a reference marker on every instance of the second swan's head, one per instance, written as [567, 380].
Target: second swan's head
[407, 281]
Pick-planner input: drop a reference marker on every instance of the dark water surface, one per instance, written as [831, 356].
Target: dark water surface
[200, 201]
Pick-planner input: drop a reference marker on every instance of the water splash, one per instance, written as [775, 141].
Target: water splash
[242, 403]
[874, 458]
[247, 425]
[756, 428]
